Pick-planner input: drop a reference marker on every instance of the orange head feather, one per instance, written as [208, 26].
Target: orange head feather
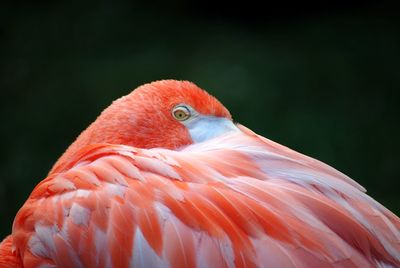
[144, 119]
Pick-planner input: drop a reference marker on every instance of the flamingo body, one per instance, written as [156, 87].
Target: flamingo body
[233, 200]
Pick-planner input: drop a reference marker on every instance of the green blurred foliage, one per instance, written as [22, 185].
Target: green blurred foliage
[325, 83]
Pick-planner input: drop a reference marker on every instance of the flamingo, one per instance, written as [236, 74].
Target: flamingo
[164, 178]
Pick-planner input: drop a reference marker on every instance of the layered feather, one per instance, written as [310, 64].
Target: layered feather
[239, 200]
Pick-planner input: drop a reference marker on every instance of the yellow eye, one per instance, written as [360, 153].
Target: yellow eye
[181, 113]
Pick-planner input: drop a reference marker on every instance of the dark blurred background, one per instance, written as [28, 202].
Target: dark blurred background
[323, 80]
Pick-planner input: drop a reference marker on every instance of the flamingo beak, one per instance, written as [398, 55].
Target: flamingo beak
[203, 128]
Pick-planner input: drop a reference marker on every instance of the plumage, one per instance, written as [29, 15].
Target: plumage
[235, 200]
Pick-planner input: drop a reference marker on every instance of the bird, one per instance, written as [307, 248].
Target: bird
[165, 178]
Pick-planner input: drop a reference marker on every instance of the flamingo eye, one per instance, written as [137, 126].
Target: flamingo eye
[181, 113]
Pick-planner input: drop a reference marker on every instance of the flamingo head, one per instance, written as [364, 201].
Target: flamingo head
[168, 114]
